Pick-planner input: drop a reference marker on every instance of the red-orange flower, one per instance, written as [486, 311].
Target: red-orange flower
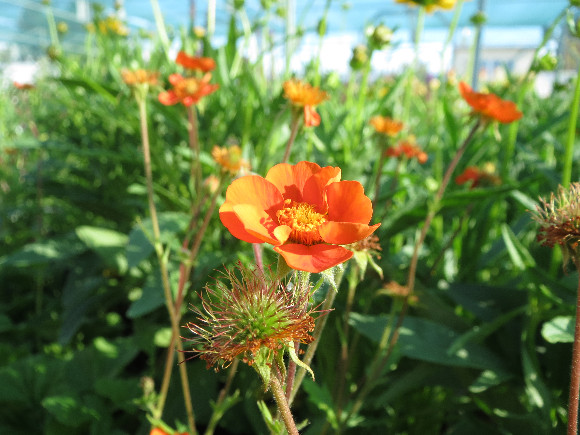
[409, 149]
[478, 176]
[306, 96]
[23, 86]
[489, 106]
[386, 125]
[187, 90]
[304, 210]
[159, 431]
[203, 64]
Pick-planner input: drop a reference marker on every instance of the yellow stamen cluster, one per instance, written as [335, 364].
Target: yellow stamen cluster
[303, 220]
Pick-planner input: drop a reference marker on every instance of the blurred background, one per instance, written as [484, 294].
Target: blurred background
[504, 33]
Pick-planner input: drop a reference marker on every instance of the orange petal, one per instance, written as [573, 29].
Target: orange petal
[315, 258]
[290, 179]
[235, 225]
[347, 203]
[257, 223]
[311, 118]
[314, 191]
[254, 190]
[175, 78]
[168, 98]
[343, 233]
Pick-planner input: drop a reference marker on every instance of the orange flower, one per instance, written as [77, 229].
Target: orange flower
[140, 77]
[230, 159]
[303, 95]
[409, 149]
[159, 431]
[187, 90]
[430, 5]
[203, 64]
[304, 210]
[489, 106]
[386, 125]
[23, 86]
[478, 176]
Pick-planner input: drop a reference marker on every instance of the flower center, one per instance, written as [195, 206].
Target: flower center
[189, 86]
[303, 220]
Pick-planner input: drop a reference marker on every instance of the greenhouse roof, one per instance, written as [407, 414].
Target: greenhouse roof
[24, 21]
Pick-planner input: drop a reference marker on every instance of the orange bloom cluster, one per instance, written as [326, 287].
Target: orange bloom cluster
[230, 159]
[23, 86]
[489, 106]
[303, 210]
[386, 125]
[140, 77]
[409, 149]
[477, 177]
[304, 95]
[187, 90]
[203, 64]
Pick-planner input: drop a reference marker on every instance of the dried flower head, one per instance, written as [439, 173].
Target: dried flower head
[559, 220]
[251, 315]
[230, 159]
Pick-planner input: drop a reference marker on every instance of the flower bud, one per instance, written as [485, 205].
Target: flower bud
[380, 37]
[359, 58]
[478, 19]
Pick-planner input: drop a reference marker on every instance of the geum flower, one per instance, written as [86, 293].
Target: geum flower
[187, 90]
[430, 5]
[489, 106]
[478, 177]
[303, 95]
[303, 210]
[408, 149]
[230, 159]
[140, 77]
[386, 125]
[203, 64]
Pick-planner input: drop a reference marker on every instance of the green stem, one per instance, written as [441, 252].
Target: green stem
[283, 405]
[163, 269]
[295, 124]
[54, 40]
[413, 70]
[452, 28]
[215, 416]
[161, 30]
[571, 136]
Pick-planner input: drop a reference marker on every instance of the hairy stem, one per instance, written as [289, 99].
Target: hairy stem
[283, 405]
[575, 372]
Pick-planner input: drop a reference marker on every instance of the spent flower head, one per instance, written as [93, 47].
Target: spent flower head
[559, 220]
[253, 316]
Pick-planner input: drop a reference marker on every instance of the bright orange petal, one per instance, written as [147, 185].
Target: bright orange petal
[315, 258]
[168, 98]
[254, 190]
[175, 78]
[343, 233]
[257, 223]
[235, 226]
[311, 118]
[290, 179]
[314, 191]
[347, 203]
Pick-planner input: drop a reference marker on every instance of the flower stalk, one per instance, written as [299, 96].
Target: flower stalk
[573, 397]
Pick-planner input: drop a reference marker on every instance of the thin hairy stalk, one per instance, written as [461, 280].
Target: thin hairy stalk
[295, 124]
[214, 419]
[162, 266]
[378, 178]
[257, 248]
[394, 182]
[194, 145]
[283, 405]
[575, 372]
[571, 135]
[311, 349]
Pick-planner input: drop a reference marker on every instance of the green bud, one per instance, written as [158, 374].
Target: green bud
[548, 62]
[574, 2]
[266, 4]
[360, 57]
[238, 4]
[322, 27]
[478, 19]
[281, 12]
[381, 37]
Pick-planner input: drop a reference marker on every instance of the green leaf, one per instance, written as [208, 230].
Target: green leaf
[43, 252]
[320, 396]
[519, 255]
[427, 341]
[69, 410]
[108, 244]
[488, 379]
[559, 330]
[151, 297]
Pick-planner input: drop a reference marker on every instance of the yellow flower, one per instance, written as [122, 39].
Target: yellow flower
[430, 5]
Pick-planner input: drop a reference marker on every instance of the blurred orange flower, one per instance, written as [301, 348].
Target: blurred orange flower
[489, 106]
[304, 210]
[386, 125]
[230, 159]
[23, 86]
[203, 64]
[140, 77]
[304, 95]
[478, 176]
[187, 90]
[159, 431]
[409, 149]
